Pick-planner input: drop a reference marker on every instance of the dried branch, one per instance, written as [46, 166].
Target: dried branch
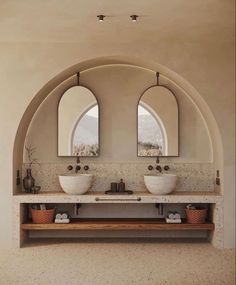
[30, 151]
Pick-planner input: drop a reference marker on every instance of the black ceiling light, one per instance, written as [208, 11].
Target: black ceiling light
[134, 18]
[100, 18]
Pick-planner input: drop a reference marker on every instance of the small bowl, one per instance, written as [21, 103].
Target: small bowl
[35, 189]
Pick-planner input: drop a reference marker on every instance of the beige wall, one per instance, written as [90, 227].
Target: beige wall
[118, 102]
[198, 44]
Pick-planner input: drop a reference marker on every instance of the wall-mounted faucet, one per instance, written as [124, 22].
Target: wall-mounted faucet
[70, 167]
[158, 166]
[77, 167]
[150, 167]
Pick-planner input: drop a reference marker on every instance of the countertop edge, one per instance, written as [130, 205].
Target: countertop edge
[179, 196]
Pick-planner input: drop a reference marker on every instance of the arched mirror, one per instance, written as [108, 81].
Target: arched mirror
[158, 124]
[78, 123]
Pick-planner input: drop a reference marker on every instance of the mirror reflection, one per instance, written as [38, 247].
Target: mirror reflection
[158, 123]
[78, 123]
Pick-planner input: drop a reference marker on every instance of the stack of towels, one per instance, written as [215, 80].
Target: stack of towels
[62, 218]
[173, 218]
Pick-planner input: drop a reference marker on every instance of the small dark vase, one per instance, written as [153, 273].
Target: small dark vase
[28, 181]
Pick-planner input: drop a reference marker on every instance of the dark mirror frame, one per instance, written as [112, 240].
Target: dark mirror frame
[73, 86]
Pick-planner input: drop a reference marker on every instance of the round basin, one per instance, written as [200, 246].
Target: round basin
[160, 184]
[75, 184]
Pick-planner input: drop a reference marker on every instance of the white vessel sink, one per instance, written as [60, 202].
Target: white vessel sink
[160, 184]
[75, 184]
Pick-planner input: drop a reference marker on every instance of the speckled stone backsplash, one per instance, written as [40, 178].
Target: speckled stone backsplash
[192, 176]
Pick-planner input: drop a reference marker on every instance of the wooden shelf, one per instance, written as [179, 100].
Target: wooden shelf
[117, 224]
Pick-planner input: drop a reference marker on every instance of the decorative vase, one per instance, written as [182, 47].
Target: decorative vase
[28, 181]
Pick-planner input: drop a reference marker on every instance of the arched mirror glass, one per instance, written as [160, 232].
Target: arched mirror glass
[158, 126]
[78, 123]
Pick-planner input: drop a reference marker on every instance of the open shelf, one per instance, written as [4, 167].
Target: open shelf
[117, 224]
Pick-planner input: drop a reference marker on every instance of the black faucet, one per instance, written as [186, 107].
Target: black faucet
[158, 168]
[78, 167]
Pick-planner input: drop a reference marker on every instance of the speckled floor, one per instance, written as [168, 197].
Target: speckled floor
[116, 263]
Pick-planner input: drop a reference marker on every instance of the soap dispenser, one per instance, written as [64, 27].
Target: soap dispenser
[121, 186]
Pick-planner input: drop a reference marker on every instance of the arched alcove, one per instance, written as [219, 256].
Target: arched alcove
[168, 78]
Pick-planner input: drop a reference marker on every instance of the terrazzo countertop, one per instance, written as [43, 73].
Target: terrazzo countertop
[137, 197]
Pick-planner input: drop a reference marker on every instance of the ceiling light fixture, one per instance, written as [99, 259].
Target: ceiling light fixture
[134, 18]
[100, 18]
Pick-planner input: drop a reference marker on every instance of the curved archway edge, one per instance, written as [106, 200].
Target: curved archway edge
[195, 96]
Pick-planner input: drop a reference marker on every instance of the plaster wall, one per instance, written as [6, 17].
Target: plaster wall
[203, 55]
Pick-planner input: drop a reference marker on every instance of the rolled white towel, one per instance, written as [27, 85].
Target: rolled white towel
[177, 216]
[64, 216]
[174, 221]
[58, 216]
[62, 221]
[171, 215]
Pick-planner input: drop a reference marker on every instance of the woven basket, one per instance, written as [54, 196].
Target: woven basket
[42, 216]
[197, 216]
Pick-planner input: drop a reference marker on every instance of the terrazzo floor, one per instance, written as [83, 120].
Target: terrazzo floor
[116, 263]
